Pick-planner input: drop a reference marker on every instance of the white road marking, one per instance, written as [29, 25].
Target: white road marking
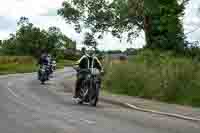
[13, 93]
[163, 113]
[88, 121]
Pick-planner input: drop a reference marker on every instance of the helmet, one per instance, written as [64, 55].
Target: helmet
[91, 52]
[83, 50]
[48, 55]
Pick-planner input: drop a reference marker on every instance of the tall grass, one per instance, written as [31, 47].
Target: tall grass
[17, 64]
[156, 75]
[64, 63]
[23, 64]
[16, 59]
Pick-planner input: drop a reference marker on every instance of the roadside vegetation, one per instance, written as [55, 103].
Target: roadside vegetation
[156, 75]
[17, 64]
[24, 64]
[64, 63]
[21, 50]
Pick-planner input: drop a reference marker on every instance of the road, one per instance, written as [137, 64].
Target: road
[28, 107]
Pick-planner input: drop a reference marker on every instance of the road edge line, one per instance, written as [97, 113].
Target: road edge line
[130, 106]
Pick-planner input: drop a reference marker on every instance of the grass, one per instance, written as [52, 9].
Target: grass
[24, 64]
[63, 63]
[17, 68]
[17, 64]
[158, 76]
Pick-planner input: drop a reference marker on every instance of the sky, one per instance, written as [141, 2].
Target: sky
[42, 13]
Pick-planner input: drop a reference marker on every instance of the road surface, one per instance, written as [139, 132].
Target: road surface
[28, 107]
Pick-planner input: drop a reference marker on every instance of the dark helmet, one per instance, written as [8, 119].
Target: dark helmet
[83, 50]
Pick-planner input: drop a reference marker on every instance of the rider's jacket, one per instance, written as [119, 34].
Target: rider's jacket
[86, 62]
[43, 60]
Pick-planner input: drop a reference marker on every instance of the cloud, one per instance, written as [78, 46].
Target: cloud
[7, 26]
[28, 7]
[192, 20]
[7, 23]
[50, 12]
[45, 22]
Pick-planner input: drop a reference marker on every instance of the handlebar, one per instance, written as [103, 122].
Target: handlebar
[81, 70]
[84, 70]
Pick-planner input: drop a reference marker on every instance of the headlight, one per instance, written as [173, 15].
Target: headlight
[89, 76]
[95, 71]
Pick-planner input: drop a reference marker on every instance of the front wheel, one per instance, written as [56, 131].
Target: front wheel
[95, 96]
[43, 78]
[42, 82]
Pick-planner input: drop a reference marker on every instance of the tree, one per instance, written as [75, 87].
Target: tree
[159, 19]
[0, 43]
[31, 40]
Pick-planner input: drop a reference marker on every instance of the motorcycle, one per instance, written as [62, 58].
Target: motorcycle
[90, 87]
[53, 64]
[44, 73]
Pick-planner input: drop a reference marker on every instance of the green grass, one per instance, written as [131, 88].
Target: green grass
[62, 63]
[24, 64]
[158, 76]
[17, 68]
[17, 64]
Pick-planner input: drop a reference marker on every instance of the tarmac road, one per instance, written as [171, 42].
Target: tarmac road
[26, 106]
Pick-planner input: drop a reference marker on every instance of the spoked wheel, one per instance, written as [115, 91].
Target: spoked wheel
[43, 78]
[83, 93]
[94, 97]
[42, 81]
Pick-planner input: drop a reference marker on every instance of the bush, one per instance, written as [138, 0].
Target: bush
[156, 75]
[73, 57]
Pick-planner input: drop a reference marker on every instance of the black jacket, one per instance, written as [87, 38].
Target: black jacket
[43, 60]
[89, 62]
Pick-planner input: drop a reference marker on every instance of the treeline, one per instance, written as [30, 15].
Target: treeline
[30, 40]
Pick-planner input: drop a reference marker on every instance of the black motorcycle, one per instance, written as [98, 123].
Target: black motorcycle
[43, 74]
[90, 87]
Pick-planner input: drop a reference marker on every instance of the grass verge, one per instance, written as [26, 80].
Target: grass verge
[24, 64]
[63, 63]
[158, 76]
[17, 64]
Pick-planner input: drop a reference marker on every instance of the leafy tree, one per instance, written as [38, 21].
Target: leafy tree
[8, 46]
[31, 40]
[0, 42]
[159, 19]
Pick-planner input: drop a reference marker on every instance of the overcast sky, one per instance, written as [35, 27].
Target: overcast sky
[42, 13]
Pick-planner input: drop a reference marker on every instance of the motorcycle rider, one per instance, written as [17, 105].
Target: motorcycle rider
[44, 60]
[87, 61]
